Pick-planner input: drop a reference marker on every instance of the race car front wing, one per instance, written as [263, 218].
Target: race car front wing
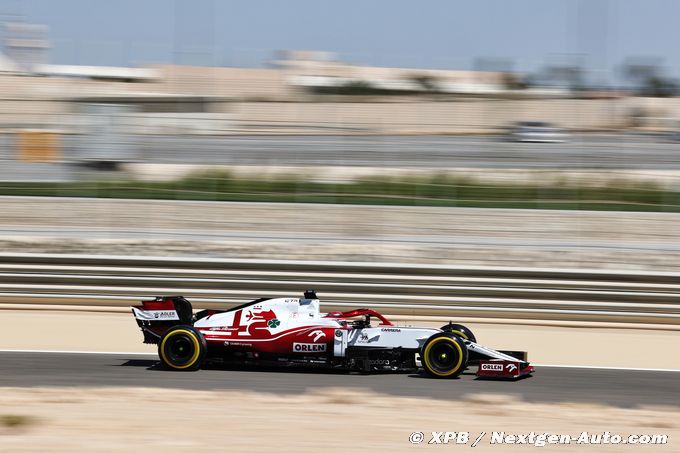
[508, 369]
[500, 364]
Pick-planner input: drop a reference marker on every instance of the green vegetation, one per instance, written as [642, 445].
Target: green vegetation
[434, 190]
[16, 421]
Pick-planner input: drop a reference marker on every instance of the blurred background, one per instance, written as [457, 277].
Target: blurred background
[565, 112]
[488, 133]
[485, 136]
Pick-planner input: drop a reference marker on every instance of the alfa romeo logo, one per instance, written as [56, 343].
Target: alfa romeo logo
[273, 323]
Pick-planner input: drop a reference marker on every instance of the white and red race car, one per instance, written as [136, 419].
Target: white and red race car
[293, 332]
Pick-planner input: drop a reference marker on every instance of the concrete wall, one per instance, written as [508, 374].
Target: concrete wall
[260, 101]
[476, 116]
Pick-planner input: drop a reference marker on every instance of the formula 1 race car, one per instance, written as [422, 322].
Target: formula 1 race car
[293, 332]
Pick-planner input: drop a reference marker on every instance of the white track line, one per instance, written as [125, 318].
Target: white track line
[541, 365]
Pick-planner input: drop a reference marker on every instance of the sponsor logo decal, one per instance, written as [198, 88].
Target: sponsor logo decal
[362, 337]
[155, 315]
[237, 343]
[511, 367]
[309, 347]
[316, 334]
[273, 323]
[390, 329]
[379, 362]
[492, 367]
[165, 315]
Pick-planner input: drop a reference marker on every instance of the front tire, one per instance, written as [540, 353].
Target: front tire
[444, 355]
[182, 348]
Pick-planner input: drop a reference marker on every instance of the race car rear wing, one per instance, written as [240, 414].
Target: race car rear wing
[156, 316]
[164, 308]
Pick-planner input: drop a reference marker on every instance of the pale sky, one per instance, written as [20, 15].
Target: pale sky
[405, 33]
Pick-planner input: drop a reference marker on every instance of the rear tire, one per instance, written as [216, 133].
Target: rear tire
[444, 355]
[182, 348]
[460, 330]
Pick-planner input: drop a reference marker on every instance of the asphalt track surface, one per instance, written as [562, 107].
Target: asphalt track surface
[624, 388]
[612, 151]
[623, 151]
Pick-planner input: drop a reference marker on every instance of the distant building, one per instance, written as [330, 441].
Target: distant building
[105, 73]
[26, 44]
[319, 71]
[7, 64]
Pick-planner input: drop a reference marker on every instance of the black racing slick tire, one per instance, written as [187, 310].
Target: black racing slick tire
[444, 355]
[182, 348]
[460, 330]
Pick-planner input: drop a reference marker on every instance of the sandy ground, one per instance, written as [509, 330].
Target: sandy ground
[553, 345]
[136, 419]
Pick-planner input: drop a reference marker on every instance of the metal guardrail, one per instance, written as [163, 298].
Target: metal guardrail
[493, 292]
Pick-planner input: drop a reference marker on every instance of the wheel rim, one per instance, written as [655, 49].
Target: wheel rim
[180, 350]
[443, 356]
